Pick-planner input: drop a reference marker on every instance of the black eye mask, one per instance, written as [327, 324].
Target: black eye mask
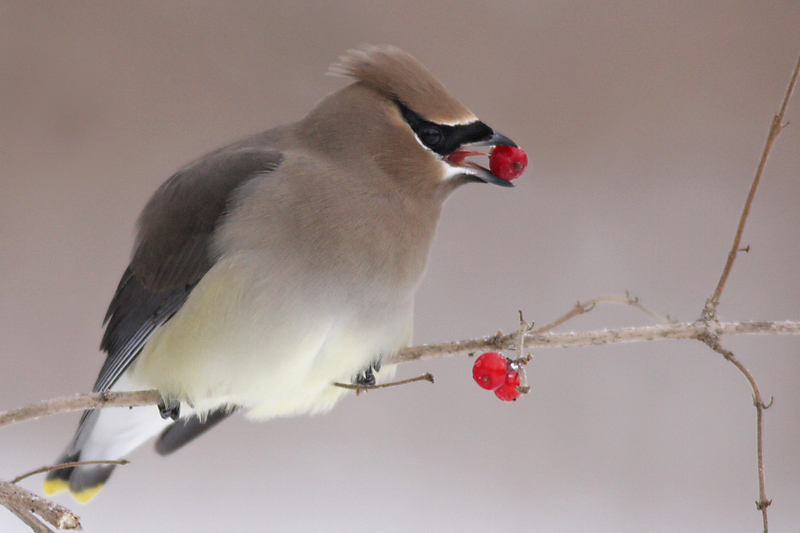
[441, 138]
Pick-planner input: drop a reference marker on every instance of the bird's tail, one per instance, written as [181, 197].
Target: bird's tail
[103, 435]
[111, 434]
[84, 482]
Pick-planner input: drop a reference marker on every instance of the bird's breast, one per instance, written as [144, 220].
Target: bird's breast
[269, 341]
[333, 223]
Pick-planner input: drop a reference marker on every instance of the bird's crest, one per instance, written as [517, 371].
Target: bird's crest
[399, 76]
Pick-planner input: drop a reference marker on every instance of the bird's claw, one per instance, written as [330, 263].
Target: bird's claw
[169, 409]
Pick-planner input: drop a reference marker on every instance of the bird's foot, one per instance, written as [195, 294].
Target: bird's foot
[169, 409]
[367, 378]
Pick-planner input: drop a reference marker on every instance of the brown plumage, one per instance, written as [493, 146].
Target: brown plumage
[397, 75]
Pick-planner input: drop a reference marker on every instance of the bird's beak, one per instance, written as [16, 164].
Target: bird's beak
[459, 156]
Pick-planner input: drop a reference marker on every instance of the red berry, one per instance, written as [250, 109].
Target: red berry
[489, 370]
[508, 391]
[508, 162]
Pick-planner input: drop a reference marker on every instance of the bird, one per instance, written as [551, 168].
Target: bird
[268, 270]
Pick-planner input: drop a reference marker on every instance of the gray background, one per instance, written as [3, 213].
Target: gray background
[643, 122]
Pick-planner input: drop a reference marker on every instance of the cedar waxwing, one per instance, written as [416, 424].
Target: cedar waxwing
[267, 270]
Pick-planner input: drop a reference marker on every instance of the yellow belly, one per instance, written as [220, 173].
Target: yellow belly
[241, 340]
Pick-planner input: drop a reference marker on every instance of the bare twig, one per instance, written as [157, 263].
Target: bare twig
[690, 330]
[22, 503]
[758, 401]
[27, 518]
[362, 388]
[521, 360]
[584, 307]
[67, 465]
[80, 402]
[709, 314]
[774, 130]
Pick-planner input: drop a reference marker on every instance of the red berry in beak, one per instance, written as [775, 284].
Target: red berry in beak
[489, 370]
[508, 391]
[508, 162]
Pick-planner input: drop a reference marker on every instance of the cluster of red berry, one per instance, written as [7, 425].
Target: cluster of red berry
[493, 371]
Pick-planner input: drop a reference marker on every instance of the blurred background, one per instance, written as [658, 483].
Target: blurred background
[643, 122]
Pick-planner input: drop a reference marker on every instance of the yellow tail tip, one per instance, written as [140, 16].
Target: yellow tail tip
[55, 485]
[85, 495]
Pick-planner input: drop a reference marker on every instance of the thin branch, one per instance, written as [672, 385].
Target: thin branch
[362, 388]
[758, 401]
[22, 502]
[690, 330]
[67, 465]
[584, 307]
[80, 402]
[709, 314]
[521, 360]
[774, 131]
[27, 518]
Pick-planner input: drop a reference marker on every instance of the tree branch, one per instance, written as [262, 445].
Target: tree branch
[774, 130]
[709, 314]
[44, 469]
[687, 330]
[581, 308]
[758, 401]
[25, 504]
[359, 388]
[79, 402]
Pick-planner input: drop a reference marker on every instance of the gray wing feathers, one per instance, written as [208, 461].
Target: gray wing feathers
[170, 256]
[173, 250]
[134, 315]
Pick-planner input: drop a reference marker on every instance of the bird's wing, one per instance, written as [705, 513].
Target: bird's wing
[172, 252]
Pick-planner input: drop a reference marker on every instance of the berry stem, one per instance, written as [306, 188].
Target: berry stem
[521, 360]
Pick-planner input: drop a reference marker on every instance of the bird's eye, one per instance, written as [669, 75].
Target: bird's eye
[430, 136]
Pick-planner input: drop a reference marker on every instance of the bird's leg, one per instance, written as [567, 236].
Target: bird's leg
[169, 408]
[366, 378]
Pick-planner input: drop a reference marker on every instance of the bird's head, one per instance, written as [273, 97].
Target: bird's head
[407, 120]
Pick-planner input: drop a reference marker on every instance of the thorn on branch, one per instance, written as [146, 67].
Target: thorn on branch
[746, 249]
[764, 406]
[522, 322]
